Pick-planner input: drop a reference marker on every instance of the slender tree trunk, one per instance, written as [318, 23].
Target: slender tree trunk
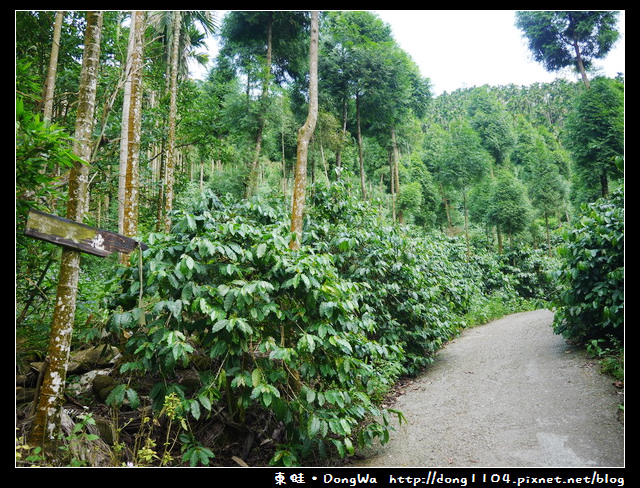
[129, 136]
[466, 221]
[173, 113]
[360, 150]
[46, 425]
[445, 202]
[131, 125]
[162, 166]
[324, 162]
[283, 182]
[392, 187]
[604, 183]
[124, 126]
[546, 223]
[254, 170]
[304, 136]
[581, 69]
[396, 170]
[344, 133]
[53, 67]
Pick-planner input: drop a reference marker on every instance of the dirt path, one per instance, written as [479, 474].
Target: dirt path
[510, 393]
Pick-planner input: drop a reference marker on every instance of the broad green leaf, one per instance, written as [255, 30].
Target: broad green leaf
[314, 426]
[194, 407]
[205, 402]
[256, 377]
[219, 325]
[262, 249]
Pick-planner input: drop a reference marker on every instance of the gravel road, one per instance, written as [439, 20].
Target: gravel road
[510, 393]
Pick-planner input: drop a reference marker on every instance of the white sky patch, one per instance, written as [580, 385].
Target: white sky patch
[466, 48]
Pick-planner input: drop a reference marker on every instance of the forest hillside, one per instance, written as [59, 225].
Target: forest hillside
[307, 225]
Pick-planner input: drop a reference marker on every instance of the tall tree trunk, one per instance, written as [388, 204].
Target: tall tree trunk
[304, 136]
[546, 224]
[131, 124]
[173, 113]
[466, 222]
[396, 172]
[445, 202]
[53, 68]
[360, 150]
[344, 134]
[254, 170]
[324, 162]
[124, 126]
[392, 186]
[604, 183]
[282, 149]
[46, 425]
[583, 72]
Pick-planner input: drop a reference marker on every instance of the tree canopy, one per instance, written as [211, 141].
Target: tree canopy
[559, 39]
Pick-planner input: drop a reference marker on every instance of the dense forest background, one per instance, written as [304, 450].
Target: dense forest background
[423, 215]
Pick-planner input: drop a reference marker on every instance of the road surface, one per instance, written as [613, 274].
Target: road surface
[510, 393]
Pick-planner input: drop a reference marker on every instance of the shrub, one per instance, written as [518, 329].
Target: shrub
[416, 294]
[282, 330]
[310, 339]
[591, 302]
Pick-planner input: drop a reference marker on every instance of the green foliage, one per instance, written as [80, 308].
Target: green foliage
[280, 329]
[466, 161]
[315, 336]
[610, 354]
[493, 124]
[591, 302]
[43, 152]
[410, 197]
[311, 340]
[509, 208]
[554, 37]
[595, 137]
[414, 290]
[40, 148]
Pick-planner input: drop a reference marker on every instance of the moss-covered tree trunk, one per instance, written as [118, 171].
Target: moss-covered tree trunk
[53, 68]
[46, 425]
[131, 125]
[170, 163]
[304, 137]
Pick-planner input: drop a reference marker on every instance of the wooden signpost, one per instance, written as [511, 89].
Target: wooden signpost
[74, 235]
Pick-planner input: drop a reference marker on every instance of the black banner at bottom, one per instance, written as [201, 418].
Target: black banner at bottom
[401, 477]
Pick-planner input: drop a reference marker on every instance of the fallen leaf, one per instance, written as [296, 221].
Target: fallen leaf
[240, 461]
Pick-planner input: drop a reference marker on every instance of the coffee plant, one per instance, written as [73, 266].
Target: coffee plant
[415, 292]
[590, 304]
[315, 337]
[279, 330]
